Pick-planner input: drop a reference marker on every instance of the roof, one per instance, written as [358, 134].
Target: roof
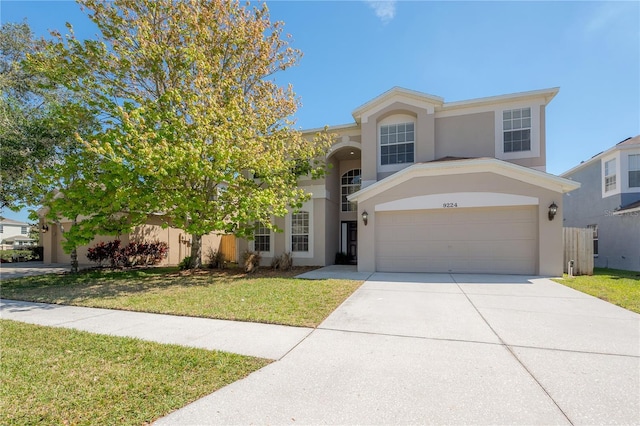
[5, 221]
[629, 208]
[19, 238]
[438, 104]
[628, 143]
[463, 166]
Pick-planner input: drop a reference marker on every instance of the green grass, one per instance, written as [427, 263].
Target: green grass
[619, 287]
[266, 297]
[59, 376]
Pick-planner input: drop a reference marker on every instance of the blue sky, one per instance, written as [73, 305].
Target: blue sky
[356, 50]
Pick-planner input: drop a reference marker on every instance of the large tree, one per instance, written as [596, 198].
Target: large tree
[192, 118]
[29, 134]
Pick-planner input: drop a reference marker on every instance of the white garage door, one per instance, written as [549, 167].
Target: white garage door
[500, 240]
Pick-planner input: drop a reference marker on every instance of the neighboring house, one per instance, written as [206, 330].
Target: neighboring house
[14, 234]
[609, 203]
[421, 185]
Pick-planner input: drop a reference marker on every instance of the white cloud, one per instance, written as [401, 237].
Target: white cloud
[385, 10]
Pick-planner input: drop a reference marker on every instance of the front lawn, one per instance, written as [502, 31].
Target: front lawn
[267, 296]
[619, 287]
[59, 376]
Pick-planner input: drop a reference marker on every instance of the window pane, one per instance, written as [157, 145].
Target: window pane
[409, 127]
[506, 115]
[516, 113]
[526, 112]
[526, 122]
[410, 136]
[634, 179]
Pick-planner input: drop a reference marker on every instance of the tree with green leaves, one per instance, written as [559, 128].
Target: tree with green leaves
[29, 134]
[191, 112]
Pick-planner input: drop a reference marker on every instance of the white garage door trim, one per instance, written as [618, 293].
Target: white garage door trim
[458, 200]
[470, 240]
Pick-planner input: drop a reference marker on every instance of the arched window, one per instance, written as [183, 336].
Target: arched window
[350, 184]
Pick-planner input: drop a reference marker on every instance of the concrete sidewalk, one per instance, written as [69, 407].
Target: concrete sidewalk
[259, 340]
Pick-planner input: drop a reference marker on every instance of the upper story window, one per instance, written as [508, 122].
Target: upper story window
[23, 230]
[300, 231]
[262, 238]
[397, 143]
[1, 229]
[350, 184]
[610, 175]
[634, 171]
[516, 127]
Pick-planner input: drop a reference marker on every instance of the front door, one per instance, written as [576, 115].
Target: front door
[349, 240]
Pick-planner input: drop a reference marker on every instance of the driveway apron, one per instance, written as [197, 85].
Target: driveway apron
[447, 349]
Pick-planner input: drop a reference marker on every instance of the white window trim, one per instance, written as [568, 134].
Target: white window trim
[535, 131]
[252, 245]
[625, 170]
[354, 205]
[619, 184]
[396, 119]
[308, 207]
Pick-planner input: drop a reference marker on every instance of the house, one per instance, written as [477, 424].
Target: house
[608, 202]
[418, 184]
[178, 242]
[14, 234]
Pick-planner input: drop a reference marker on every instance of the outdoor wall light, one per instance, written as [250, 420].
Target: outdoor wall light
[365, 217]
[553, 209]
[45, 228]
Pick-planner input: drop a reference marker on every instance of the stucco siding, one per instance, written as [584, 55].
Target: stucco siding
[549, 232]
[618, 235]
[470, 135]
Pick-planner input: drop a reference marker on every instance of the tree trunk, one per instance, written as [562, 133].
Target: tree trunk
[74, 261]
[196, 251]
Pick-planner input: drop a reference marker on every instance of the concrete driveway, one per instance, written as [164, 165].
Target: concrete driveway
[447, 349]
[23, 269]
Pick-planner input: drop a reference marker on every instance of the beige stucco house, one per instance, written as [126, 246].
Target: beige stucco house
[418, 184]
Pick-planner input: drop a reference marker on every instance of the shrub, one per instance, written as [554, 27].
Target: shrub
[215, 259]
[37, 252]
[251, 260]
[185, 263]
[132, 254]
[16, 255]
[283, 262]
[275, 262]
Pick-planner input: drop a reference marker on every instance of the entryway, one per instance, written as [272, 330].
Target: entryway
[349, 240]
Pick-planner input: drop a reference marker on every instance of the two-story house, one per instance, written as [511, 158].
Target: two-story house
[14, 234]
[608, 202]
[417, 184]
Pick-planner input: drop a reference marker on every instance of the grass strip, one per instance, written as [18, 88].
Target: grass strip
[266, 297]
[61, 376]
[616, 286]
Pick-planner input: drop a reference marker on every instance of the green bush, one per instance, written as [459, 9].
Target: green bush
[16, 255]
[185, 263]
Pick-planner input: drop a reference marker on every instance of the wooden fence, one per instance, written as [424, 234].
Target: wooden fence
[578, 247]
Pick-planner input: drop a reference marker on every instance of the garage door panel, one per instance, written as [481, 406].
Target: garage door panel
[483, 240]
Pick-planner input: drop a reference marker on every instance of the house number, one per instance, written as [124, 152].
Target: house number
[449, 205]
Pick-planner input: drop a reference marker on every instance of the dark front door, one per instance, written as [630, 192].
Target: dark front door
[349, 240]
